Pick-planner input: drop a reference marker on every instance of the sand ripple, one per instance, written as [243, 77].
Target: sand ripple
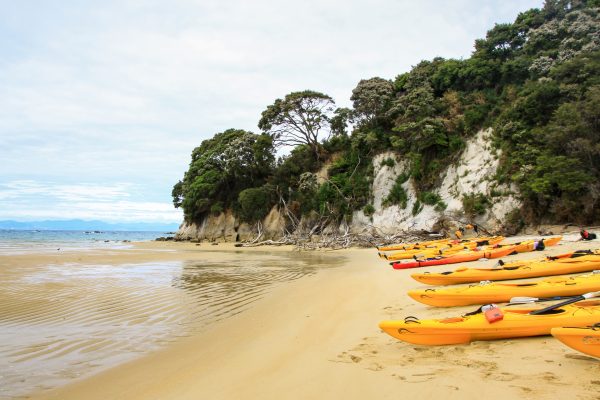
[59, 322]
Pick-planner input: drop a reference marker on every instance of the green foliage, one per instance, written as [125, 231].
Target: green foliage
[417, 207]
[369, 210]
[397, 194]
[475, 204]
[289, 168]
[221, 167]
[255, 203]
[432, 199]
[299, 119]
[388, 162]
[371, 100]
[429, 198]
[216, 208]
[348, 188]
[551, 176]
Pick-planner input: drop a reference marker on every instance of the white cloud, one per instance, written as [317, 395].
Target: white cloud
[113, 203]
[119, 91]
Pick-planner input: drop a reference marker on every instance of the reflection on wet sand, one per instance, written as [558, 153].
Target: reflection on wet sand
[58, 322]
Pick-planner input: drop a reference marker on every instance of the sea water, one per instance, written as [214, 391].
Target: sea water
[26, 241]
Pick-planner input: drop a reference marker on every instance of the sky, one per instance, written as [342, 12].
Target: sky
[102, 103]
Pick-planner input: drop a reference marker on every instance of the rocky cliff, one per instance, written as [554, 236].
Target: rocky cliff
[470, 177]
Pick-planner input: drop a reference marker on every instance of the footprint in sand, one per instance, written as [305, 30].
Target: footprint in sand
[458, 349]
[552, 378]
[523, 388]
[355, 359]
[425, 376]
[402, 378]
[347, 358]
[375, 367]
[504, 377]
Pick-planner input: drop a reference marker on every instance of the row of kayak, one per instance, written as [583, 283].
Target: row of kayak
[573, 321]
[465, 251]
[568, 263]
[441, 249]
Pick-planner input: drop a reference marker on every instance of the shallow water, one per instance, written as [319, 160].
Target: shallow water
[13, 242]
[60, 322]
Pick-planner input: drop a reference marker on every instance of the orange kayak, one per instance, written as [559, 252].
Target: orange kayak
[451, 247]
[494, 292]
[410, 246]
[531, 245]
[585, 340]
[514, 323]
[470, 255]
[439, 243]
[569, 263]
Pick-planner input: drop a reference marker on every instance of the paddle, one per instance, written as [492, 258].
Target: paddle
[564, 303]
[525, 300]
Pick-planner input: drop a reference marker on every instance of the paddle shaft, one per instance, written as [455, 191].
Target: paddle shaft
[564, 303]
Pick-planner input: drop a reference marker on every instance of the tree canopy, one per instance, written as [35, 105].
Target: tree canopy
[299, 118]
[220, 169]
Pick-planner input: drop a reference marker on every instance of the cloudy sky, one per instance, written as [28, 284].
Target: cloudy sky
[102, 102]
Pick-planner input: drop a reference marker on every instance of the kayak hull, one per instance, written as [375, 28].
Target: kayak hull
[514, 270]
[583, 339]
[516, 323]
[503, 292]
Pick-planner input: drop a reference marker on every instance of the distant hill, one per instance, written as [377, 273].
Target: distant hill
[77, 224]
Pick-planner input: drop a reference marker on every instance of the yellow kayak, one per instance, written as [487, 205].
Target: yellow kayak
[487, 292]
[535, 244]
[436, 244]
[583, 339]
[410, 246]
[570, 263]
[445, 249]
[515, 323]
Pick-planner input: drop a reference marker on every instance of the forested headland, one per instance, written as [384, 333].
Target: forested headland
[534, 82]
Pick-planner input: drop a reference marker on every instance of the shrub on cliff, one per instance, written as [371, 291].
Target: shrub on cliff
[255, 203]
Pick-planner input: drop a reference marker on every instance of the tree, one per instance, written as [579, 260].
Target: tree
[300, 118]
[371, 99]
[221, 168]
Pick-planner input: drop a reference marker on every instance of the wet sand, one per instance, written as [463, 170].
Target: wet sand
[317, 337]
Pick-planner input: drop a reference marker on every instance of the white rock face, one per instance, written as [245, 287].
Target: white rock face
[393, 218]
[473, 174]
[226, 228]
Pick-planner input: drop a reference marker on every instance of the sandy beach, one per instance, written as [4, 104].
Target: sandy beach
[309, 335]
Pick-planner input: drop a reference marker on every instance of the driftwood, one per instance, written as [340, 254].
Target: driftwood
[368, 237]
[323, 233]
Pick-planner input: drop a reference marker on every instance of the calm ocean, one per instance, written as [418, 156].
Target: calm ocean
[25, 241]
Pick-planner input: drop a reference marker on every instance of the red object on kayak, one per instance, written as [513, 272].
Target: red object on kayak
[457, 258]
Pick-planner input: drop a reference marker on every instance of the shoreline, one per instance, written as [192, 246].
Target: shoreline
[317, 337]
